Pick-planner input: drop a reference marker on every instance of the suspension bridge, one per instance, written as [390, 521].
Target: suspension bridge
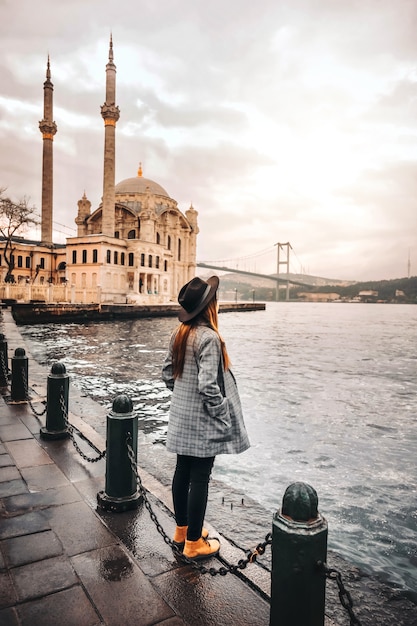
[275, 258]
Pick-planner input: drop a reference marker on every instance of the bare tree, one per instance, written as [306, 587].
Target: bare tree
[15, 219]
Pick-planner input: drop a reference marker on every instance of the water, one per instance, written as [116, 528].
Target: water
[329, 397]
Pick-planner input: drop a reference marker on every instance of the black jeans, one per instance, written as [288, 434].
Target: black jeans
[190, 492]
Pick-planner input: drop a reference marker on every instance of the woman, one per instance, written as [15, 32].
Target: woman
[205, 414]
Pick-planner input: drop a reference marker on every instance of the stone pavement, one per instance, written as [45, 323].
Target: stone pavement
[64, 561]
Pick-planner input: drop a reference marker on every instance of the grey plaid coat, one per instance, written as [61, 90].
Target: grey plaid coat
[202, 422]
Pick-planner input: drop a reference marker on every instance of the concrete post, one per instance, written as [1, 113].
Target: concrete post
[4, 362]
[19, 389]
[299, 542]
[121, 492]
[56, 404]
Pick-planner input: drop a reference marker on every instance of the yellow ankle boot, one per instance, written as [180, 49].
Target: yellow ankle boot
[201, 549]
[180, 535]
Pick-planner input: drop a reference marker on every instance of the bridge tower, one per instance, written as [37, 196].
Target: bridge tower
[283, 249]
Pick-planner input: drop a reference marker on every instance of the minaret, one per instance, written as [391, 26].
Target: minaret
[48, 129]
[110, 114]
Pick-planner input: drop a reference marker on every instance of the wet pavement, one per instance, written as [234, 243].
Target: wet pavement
[65, 561]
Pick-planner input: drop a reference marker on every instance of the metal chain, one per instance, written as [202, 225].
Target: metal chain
[71, 429]
[344, 595]
[227, 568]
[4, 367]
[26, 387]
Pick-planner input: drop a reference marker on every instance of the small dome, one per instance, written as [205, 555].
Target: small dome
[138, 185]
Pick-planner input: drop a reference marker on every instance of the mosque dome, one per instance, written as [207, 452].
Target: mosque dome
[138, 185]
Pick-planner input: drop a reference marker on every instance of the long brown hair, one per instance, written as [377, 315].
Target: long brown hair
[186, 329]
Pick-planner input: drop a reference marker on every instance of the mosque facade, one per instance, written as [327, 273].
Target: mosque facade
[136, 247]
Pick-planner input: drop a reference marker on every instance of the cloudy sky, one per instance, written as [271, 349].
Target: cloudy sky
[279, 120]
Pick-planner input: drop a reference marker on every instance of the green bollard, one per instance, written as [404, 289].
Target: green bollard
[56, 404]
[299, 543]
[19, 389]
[121, 492]
[4, 362]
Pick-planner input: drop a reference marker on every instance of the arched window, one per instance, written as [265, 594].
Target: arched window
[150, 260]
[142, 260]
[20, 261]
[157, 262]
[84, 256]
[116, 257]
[122, 258]
[95, 256]
[169, 242]
[158, 238]
[131, 234]
[74, 256]
[131, 259]
[108, 256]
[179, 249]
[117, 234]
[165, 266]
[28, 262]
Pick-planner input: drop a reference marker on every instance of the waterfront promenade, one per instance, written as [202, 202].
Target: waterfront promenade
[64, 561]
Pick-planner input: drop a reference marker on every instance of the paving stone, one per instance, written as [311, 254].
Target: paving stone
[141, 537]
[43, 577]
[54, 609]
[110, 576]
[5, 460]
[30, 548]
[70, 461]
[204, 600]
[78, 528]
[43, 477]
[9, 473]
[13, 488]
[6, 416]
[42, 499]
[27, 453]
[25, 524]
[7, 592]
[13, 432]
[9, 617]
[89, 490]
[31, 423]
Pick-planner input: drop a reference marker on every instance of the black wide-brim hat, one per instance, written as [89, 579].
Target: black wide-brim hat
[195, 296]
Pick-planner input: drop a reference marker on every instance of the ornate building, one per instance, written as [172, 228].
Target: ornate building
[136, 247]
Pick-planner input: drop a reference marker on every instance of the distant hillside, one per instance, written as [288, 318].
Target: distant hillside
[243, 287]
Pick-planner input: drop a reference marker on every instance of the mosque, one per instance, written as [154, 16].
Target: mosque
[136, 247]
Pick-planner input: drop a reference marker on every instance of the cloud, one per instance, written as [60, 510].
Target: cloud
[291, 123]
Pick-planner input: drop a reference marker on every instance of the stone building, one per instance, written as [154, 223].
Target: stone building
[135, 247]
